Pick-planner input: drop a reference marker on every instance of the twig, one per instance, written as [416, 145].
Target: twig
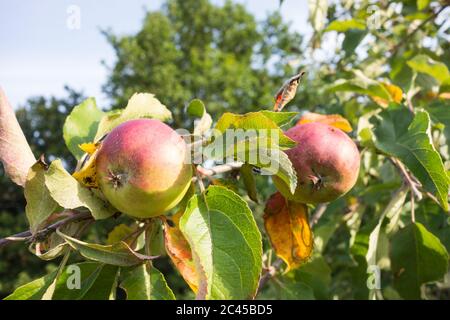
[409, 35]
[320, 210]
[27, 235]
[270, 272]
[219, 169]
[407, 177]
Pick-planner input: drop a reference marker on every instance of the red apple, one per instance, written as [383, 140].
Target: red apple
[142, 168]
[326, 161]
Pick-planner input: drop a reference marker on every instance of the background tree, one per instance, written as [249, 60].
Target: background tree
[195, 49]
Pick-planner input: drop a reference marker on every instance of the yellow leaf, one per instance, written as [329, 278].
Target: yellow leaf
[395, 93]
[89, 148]
[334, 120]
[288, 228]
[87, 175]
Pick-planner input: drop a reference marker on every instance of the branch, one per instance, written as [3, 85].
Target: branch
[409, 35]
[28, 236]
[407, 178]
[219, 169]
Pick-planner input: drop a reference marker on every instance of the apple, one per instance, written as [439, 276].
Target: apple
[142, 169]
[326, 161]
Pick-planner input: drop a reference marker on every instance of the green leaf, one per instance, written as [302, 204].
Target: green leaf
[345, 25]
[440, 114]
[81, 125]
[255, 121]
[316, 274]
[361, 84]
[145, 282]
[353, 38]
[86, 280]
[279, 118]
[140, 105]
[118, 254]
[254, 139]
[196, 108]
[398, 133]
[249, 181]
[226, 243]
[417, 257]
[70, 194]
[291, 290]
[423, 63]
[54, 246]
[33, 290]
[40, 205]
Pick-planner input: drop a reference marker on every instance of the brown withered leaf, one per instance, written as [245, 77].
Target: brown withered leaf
[334, 120]
[180, 253]
[287, 226]
[287, 91]
[15, 153]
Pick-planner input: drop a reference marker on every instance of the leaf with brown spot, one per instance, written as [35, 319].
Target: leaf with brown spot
[180, 253]
[287, 226]
[87, 175]
[15, 153]
[334, 120]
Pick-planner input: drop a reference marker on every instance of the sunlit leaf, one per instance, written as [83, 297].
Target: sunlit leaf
[118, 254]
[81, 125]
[345, 25]
[40, 204]
[145, 282]
[15, 153]
[140, 105]
[225, 242]
[423, 63]
[70, 194]
[197, 109]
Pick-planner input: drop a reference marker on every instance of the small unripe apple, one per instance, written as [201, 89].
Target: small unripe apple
[326, 161]
[142, 168]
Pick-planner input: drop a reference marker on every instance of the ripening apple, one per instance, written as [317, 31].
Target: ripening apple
[326, 161]
[142, 168]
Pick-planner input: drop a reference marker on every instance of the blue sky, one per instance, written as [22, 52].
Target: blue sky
[39, 54]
